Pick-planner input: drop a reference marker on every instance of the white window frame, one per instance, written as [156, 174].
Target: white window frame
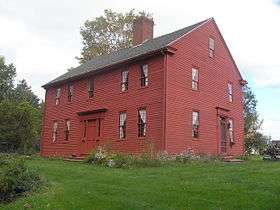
[195, 78]
[230, 91]
[195, 124]
[55, 131]
[122, 125]
[57, 96]
[142, 122]
[124, 83]
[231, 130]
[211, 47]
[144, 75]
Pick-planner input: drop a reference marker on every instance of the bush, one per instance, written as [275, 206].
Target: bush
[186, 156]
[15, 178]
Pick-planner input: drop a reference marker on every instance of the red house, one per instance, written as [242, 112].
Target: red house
[175, 92]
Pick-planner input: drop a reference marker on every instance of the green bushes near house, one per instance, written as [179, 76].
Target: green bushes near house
[15, 178]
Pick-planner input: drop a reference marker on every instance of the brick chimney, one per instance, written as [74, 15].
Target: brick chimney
[143, 29]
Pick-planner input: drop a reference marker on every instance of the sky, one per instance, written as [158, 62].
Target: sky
[41, 38]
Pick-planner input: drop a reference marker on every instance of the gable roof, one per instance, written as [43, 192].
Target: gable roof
[101, 62]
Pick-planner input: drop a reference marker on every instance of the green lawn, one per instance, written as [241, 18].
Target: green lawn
[253, 184]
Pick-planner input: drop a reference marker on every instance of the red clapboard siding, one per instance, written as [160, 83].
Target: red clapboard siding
[108, 95]
[214, 74]
[169, 100]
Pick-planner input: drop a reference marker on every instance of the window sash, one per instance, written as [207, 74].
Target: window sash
[195, 124]
[230, 92]
[58, 92]
[55, 131]
[211, 44]
[194, 79]
[122, 125]
[124, 83]
[195, 118]
[70, 92]
[230, 128]
[144, 75]
[142, 122]
[91, 88]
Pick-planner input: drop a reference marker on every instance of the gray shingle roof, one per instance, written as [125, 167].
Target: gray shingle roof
[103, 61]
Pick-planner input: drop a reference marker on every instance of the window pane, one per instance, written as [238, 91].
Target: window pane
[195, 118]
[122, 125]
[68, 125]
[229, 88]
[91, 87]
[124, 83]
[142, 119]
[230, 92]
[58, 92]
[144, 75]
[194, 74]
[145, 70]
[142, 114]
[55, 129]
[70, 92]
[211, 44]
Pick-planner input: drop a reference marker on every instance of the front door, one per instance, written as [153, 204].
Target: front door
[89, 136]
[223, 127]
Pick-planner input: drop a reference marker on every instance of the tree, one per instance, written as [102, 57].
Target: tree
[109, 32]
[23, 92]
[20, 112]
[254, 139]
[7, 76]
[18, 126]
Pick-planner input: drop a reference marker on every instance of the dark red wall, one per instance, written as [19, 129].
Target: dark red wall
[169, 100]
[214, 74]
[108, 95]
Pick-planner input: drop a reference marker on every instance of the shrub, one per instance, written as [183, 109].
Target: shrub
[15, 178]
[97, 157]
[121, 160]
[186, 156]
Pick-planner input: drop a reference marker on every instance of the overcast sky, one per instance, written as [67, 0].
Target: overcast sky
[42, 38]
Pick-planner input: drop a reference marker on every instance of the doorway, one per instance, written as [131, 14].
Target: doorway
[91, 132]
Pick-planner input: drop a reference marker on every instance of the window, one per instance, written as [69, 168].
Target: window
[142, 122]
[230, 92]
[70, 92]
[230, 128]
[57, 96]
[91, 88]
[55, 131]
[67, 129]
[211, 47]
[144, 75]
[195, 124]
[194, 79]
[124, 83]
[122, 125]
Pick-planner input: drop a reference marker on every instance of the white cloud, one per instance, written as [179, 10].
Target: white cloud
[271, 127]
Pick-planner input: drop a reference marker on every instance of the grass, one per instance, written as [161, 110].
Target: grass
[254, 184]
